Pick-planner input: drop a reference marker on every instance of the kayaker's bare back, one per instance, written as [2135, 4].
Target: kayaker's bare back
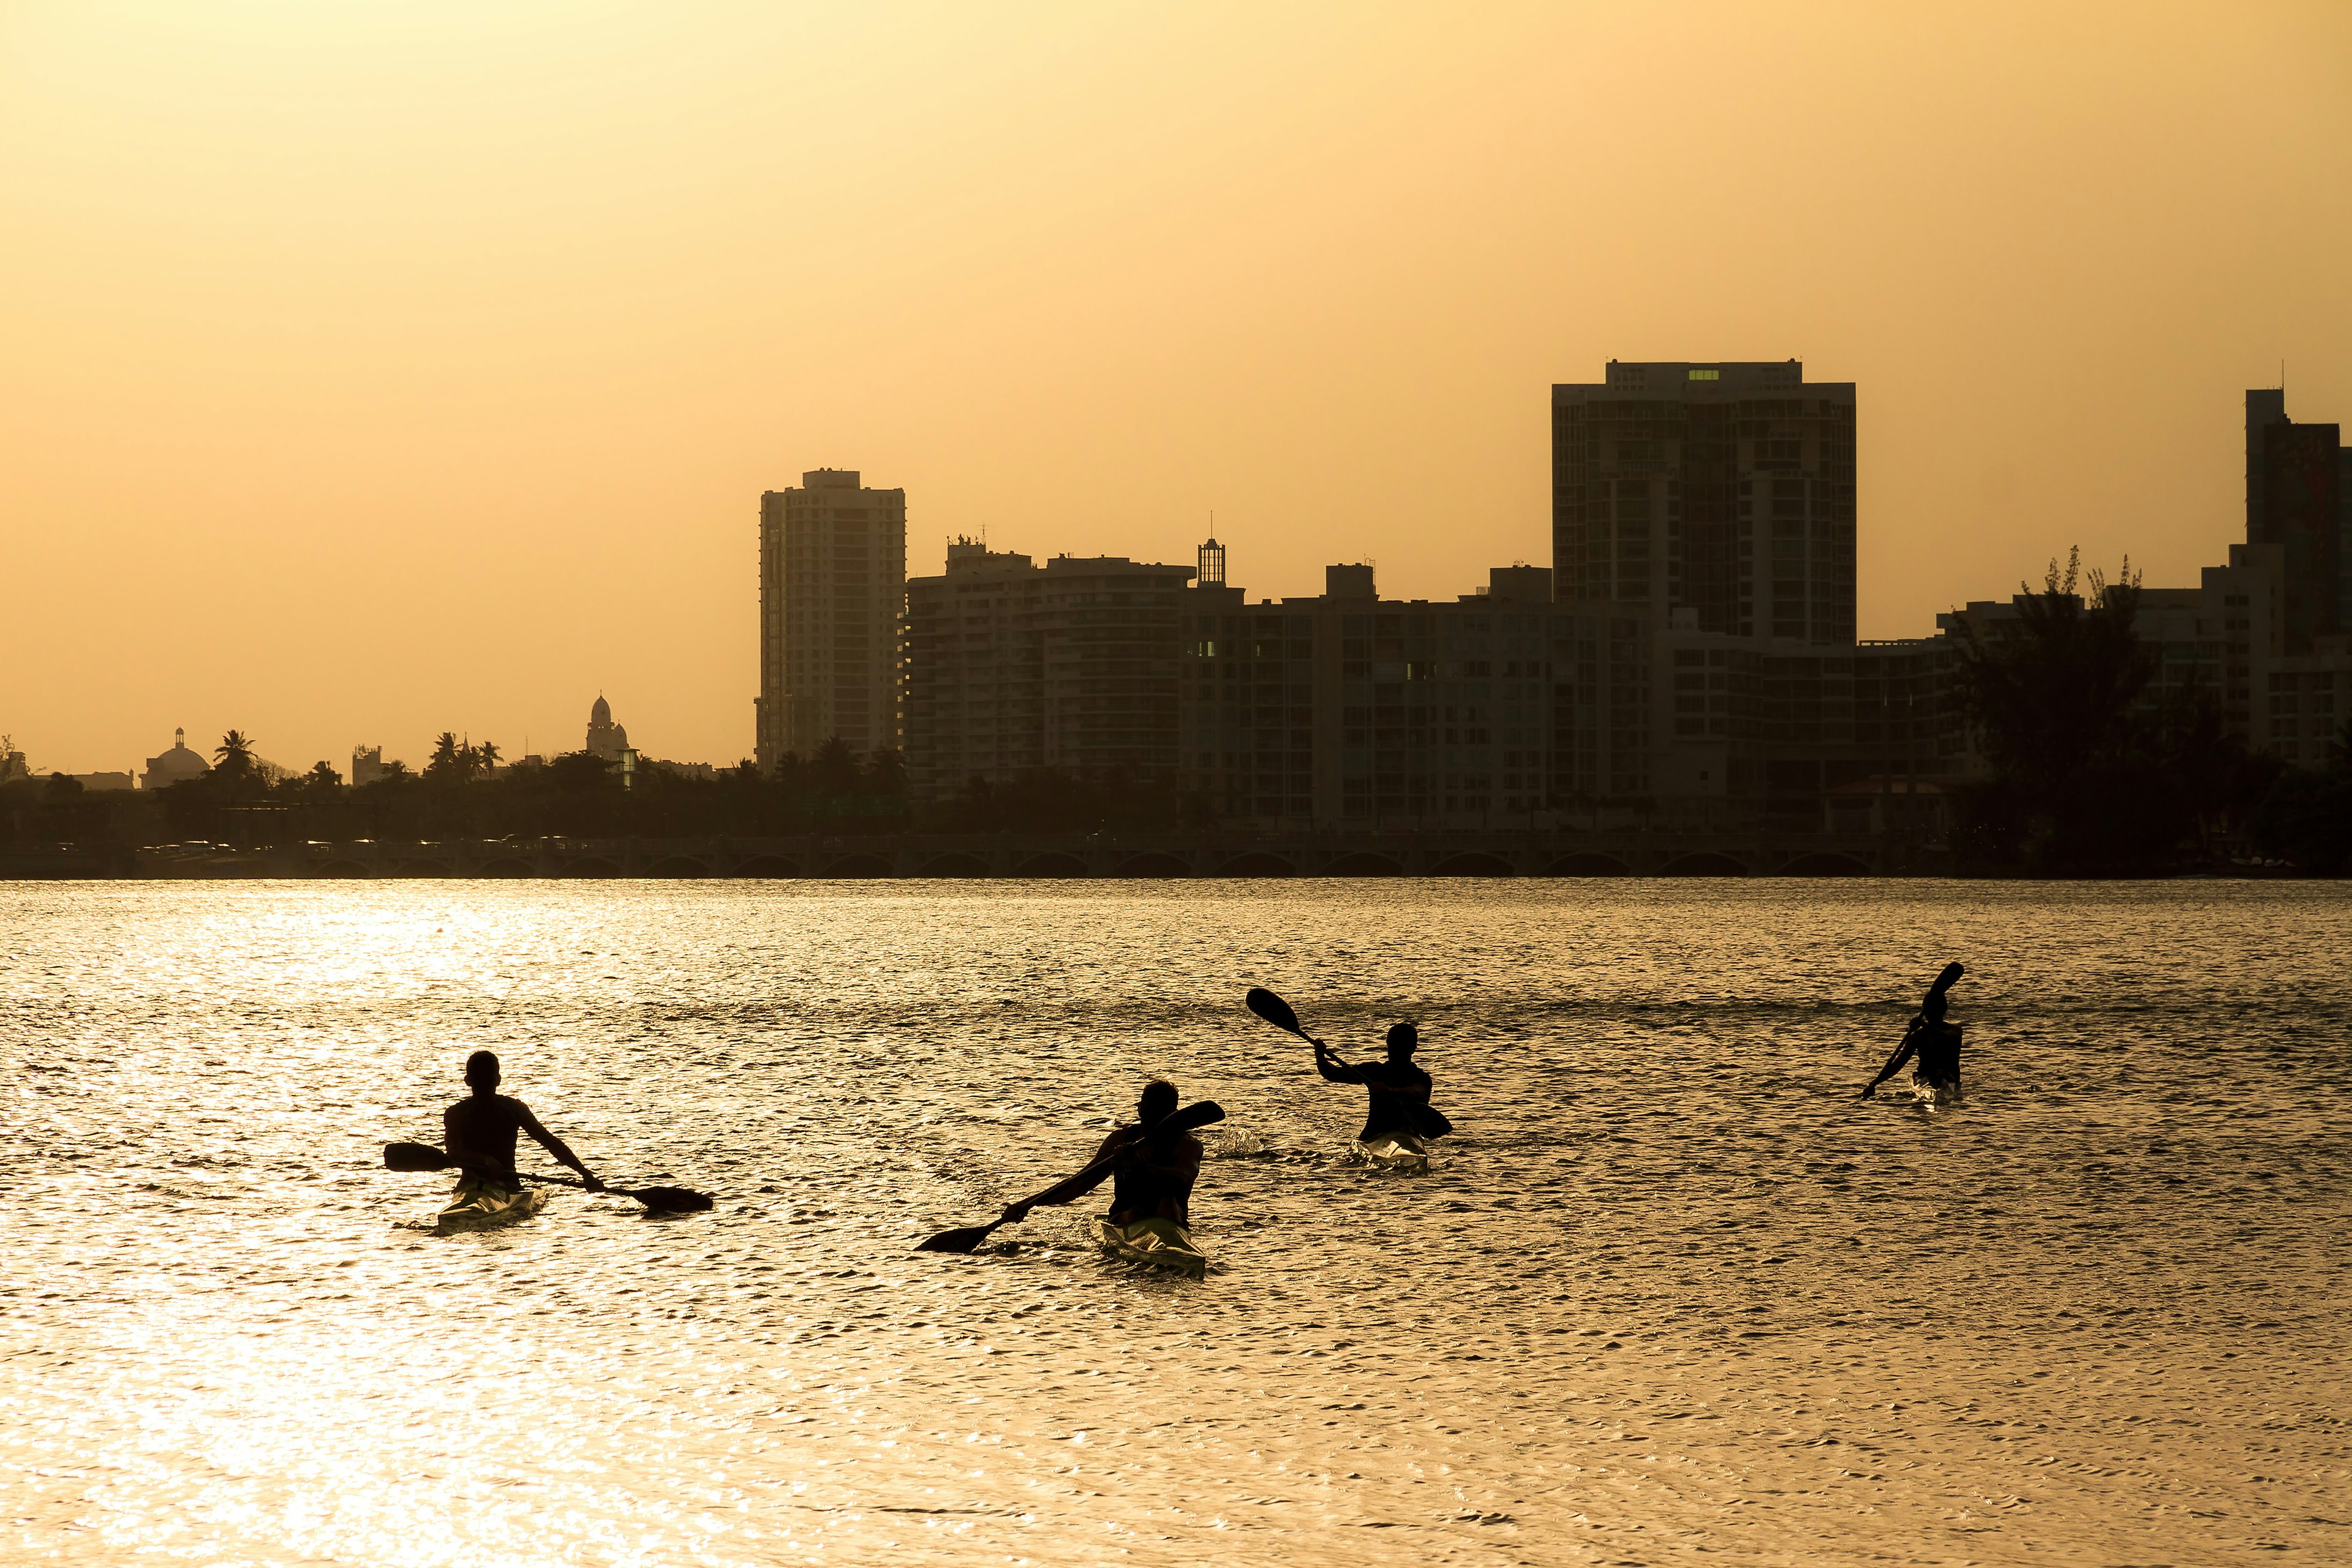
[479, 1131]
[1155, 1181]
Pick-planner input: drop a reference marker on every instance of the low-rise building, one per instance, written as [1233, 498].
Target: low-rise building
[1499, 708]
[1766, 726]
[2305, 703]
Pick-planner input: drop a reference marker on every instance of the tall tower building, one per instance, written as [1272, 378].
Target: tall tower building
[1723, 489]
[2299, 497]
[833, 580]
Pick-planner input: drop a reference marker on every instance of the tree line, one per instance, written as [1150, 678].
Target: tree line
[465, 792]
[2094, 771]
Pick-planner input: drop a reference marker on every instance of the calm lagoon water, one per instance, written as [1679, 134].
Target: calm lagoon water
[1673, 1295]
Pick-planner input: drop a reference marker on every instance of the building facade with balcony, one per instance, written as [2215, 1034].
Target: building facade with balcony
[1723, 490]
[833, 575]
[1011, 668]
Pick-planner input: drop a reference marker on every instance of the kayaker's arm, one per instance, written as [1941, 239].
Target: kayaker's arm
[1332, 1069]
[1070, 1189]
[1902, 1054]
[556, 1147]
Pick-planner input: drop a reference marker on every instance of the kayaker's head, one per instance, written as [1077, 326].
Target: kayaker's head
[1158, 1100]
[1935, 1007]
[1403, 1038]
[482, 1071]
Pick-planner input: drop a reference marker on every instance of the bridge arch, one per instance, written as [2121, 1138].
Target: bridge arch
[1704, 863]
[1825, 863]
[954, 865]
[1258, 863]
[678, 865]
[342, 868]
[588, 866]
[1154, 864]
[1589, 864]
[768, 866]
[850, 866]
[1051, 863]
[1363, 863]
[421, 869]
[507, 865]
[1470, 863]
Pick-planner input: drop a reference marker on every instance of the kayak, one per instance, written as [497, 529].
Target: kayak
[1157, 1243]
[485, 1205]
[1405, 1153]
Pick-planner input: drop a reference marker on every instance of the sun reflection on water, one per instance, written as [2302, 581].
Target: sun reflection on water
[1669, 1288]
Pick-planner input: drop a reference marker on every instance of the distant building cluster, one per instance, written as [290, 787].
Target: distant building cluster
[1691, 646]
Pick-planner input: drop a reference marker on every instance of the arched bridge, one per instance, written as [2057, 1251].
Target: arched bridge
[1697, 852]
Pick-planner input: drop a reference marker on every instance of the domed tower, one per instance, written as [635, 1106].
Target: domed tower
[179, 763]
[605, 739]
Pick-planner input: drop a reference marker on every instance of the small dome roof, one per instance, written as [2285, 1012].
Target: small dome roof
[602, 713]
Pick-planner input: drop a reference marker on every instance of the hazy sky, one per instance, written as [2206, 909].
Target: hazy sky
[372, 369]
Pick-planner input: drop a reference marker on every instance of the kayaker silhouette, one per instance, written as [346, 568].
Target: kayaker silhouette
[1150, 1178]
[479, 1131]
[1400, 1090]
[1933, 1041]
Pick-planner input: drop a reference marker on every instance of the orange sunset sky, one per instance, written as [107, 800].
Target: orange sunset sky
[372, 369]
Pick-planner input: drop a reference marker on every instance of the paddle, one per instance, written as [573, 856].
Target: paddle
[1427, 1119]
[964, 1239]
[1944, 983]
[662, 1200]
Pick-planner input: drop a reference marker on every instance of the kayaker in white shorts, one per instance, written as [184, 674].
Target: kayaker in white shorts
[1932, 1041]
[479, 1131]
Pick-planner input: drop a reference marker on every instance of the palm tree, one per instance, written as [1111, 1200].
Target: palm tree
[235, 754]
[446, 759]
[489, 754]
[322, 777]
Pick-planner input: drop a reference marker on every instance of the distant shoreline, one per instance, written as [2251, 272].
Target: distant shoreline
[1696, 851]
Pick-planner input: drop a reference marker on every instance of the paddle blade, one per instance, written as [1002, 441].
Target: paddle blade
[1430, 1122]
[415, 1157]
[1944, 982]
[1273, 1010]
[963, 1240]
[668, 1200]
[1176, 1123]
[1207, 1113]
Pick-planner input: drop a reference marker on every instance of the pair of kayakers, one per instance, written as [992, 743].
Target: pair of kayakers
[1152, 1177]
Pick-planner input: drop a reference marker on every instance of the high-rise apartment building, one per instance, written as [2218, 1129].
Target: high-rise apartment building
[1012, 667]
[1724, 489]
[833, 579]
[2299, 497]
